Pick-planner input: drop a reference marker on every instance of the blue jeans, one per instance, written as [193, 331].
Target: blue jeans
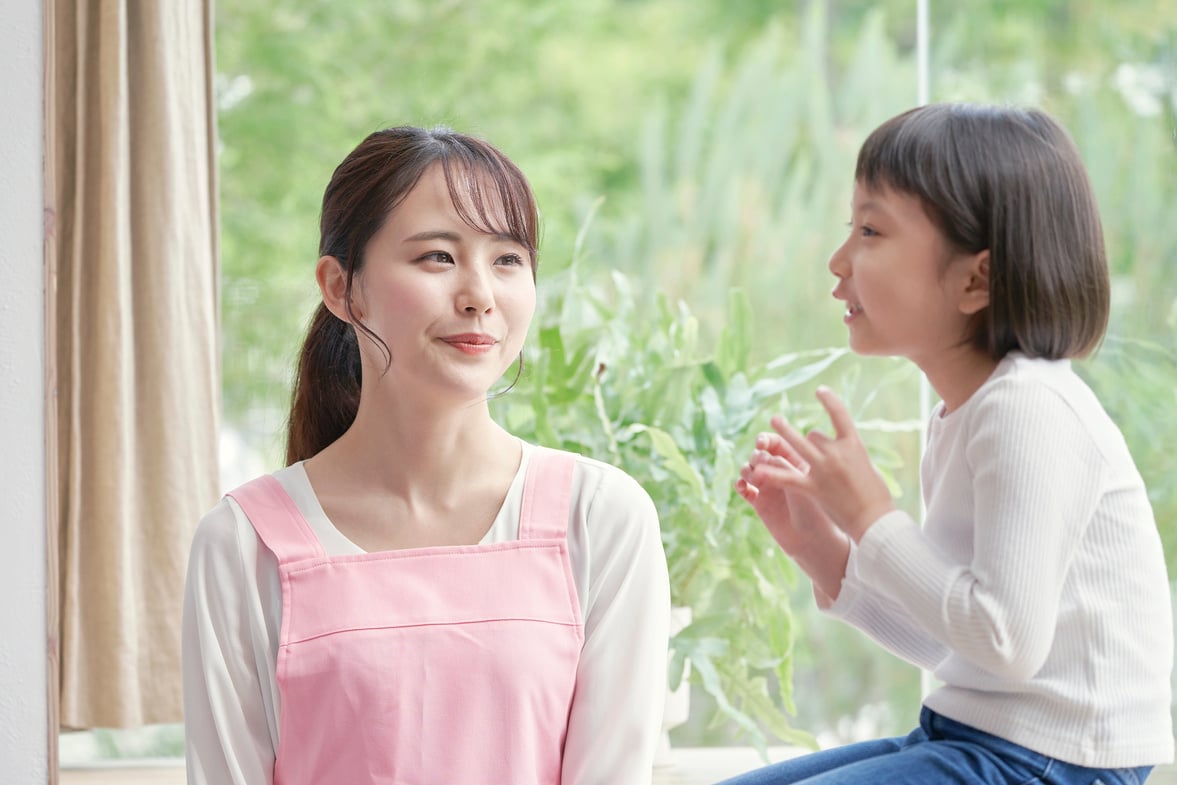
[939, 752]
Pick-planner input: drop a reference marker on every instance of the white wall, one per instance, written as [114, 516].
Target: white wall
[23, 716]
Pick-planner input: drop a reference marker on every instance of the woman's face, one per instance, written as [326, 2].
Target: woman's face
[452, 303]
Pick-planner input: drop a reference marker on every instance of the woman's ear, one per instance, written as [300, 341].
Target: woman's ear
[975, 293]
[332, 280]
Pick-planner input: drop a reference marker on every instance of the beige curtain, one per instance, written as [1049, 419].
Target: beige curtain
[136, 318]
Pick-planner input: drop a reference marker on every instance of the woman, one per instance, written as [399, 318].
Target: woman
[419, 596]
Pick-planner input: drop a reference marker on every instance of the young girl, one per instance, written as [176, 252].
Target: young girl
[1035, 591]
[420, 597]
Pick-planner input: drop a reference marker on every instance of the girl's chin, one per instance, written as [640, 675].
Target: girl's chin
[861, 346]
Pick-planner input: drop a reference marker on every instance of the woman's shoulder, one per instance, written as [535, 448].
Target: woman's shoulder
[612, 517]
[601, 486]
[292, 478]
[610, 494]
[216, 552]
[603, 476]
[220, 528]
[217, 529]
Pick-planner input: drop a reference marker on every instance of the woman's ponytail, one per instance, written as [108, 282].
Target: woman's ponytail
[326, 386]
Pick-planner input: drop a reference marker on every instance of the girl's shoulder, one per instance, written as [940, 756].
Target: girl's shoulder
[1021, 382]
[1047, 397]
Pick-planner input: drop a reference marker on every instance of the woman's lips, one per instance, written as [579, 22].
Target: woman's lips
[471, 343]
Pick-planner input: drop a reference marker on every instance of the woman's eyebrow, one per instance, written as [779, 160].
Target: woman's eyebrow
[434, 234]
[442, 234]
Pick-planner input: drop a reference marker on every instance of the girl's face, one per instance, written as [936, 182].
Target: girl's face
[907, 293]
[452, 303]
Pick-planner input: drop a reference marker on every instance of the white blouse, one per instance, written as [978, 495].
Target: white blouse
[233, 609]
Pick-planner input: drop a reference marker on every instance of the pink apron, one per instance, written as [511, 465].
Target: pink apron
[429, 666]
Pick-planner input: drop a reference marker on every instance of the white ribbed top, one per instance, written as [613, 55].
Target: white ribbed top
[1036, 590]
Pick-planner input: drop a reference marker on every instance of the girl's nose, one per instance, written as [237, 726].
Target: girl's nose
[839, 265]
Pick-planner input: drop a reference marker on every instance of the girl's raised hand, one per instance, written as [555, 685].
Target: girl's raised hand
[794, 519]
[790, 516]
[839, 475]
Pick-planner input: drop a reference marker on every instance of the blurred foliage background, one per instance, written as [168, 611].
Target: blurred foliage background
[693, 164]
[697, 147]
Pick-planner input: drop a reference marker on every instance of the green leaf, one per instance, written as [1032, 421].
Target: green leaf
[673, 458]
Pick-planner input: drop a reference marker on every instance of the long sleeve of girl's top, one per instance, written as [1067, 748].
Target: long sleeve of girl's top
[884, 620]
[1035, 482]
[233, 613]
[616, 715]
[1038, 569]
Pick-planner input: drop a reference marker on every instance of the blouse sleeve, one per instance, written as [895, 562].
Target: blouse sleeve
[228, 733]
[616, 714]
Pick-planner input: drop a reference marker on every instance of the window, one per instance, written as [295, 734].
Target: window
[721, 139]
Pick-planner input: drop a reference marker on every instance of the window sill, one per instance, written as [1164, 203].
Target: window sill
[691, 766]
[167, 772]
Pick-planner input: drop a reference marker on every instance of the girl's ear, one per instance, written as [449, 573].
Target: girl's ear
[975, 294]
[332, 280]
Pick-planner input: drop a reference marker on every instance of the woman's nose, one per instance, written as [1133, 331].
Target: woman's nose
[476, 294]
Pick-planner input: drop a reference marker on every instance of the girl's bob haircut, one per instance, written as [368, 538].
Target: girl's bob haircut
[1009, 180]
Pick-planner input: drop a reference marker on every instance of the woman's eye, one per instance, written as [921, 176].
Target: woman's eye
[510, 260]
[440, 257]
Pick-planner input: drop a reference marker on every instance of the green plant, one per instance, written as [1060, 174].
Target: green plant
[744, 189]
[627, 379]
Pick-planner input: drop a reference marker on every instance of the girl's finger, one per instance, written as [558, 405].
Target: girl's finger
[803, 449]
[839, 415]
[765, 458]
[817, 439]
[747, 490]
[774, 444]
[754, 468]
[777, 476]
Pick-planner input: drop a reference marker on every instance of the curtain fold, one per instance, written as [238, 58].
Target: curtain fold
[136, 312]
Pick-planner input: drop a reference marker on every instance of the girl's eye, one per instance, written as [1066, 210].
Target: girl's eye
[440, 257]
[510, 260]
[863, 230]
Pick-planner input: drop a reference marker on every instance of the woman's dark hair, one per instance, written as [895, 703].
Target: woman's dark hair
[489, 193]
[1009, 180]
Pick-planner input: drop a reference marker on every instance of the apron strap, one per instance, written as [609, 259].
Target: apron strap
[277, 520]
[547, 491]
